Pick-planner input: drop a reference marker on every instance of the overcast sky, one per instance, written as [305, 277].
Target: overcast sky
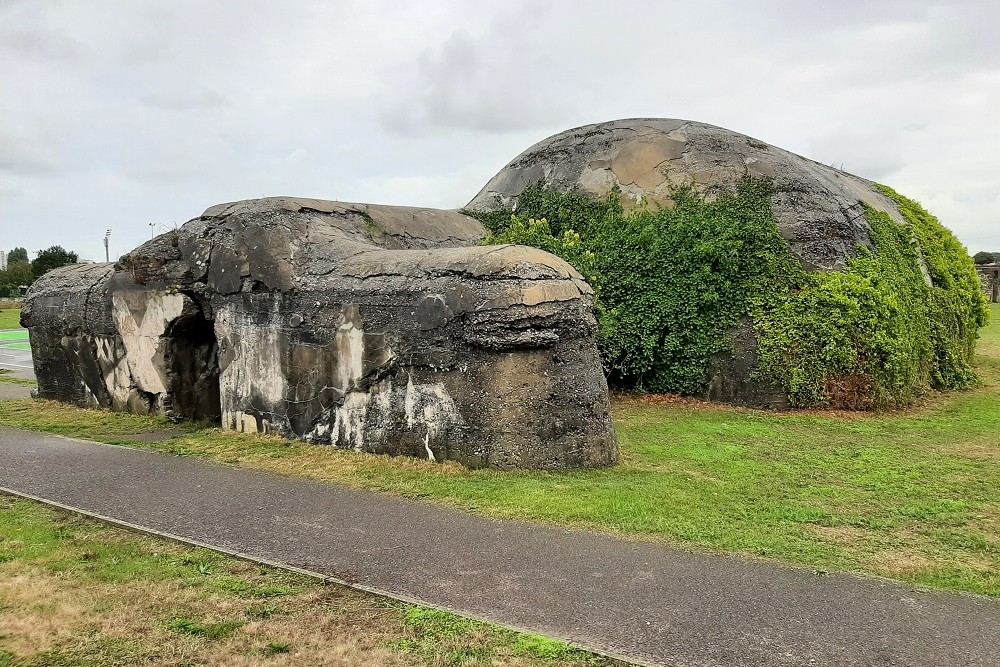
[118, 114]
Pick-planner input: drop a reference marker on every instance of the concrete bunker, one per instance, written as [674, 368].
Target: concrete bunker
[379, 329]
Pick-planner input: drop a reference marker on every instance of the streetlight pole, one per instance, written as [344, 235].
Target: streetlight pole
[107, 253]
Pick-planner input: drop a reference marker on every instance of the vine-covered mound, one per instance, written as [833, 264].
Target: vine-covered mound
[819, 210]
[732, 269]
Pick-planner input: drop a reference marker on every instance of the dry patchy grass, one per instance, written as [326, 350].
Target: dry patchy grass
[75, 593]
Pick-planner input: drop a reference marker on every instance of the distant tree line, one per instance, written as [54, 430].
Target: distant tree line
[986, 257]
[21, 273]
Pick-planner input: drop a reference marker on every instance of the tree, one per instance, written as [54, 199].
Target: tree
[52, 258]
[17, 255]
[984, 257]
[16, 275]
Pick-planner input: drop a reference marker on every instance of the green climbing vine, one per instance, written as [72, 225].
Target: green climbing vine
[858, 338]
[671, 283]
[958, 308]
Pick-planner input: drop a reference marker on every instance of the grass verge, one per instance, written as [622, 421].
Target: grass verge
[913, 495]
[10, 318]
[76, 592]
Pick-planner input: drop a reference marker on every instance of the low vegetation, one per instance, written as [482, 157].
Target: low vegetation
[76, 593]
[10, 318]
[672, 283]
[912, 495]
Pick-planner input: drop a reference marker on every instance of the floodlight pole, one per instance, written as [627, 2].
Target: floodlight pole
[107, 253]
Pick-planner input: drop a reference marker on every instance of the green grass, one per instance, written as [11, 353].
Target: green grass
[10, 318]
[220, 630]
[912, 495]
[78, 593]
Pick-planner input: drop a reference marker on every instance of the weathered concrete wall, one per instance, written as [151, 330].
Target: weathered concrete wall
[96, 347]
[989, 275]
[379, 329]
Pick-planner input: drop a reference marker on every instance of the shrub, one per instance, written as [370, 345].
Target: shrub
[671, 284]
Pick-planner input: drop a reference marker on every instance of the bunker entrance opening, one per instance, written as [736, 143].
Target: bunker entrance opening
[192, 362]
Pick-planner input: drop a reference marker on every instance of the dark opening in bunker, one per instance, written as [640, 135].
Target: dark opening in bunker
[192, 361]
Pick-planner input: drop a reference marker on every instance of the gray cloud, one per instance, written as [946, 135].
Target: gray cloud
[492, 81]
[120, 114]
[184, 100]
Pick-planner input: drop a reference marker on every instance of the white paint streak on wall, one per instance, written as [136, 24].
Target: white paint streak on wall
[430, 406]
[410, 403]
[441, 411]
[255, 368]
[142, 338]
[428, 411]
[378, 428]
[239, 421]
[349, 421]
[350, 345]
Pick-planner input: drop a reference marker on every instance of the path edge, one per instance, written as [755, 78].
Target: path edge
[326, 579]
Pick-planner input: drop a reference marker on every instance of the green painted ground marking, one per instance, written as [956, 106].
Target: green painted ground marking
[17, 334]
[18, 346]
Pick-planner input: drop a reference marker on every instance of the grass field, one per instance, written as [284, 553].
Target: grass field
[913, 496]
[76, 593]
[10, 318]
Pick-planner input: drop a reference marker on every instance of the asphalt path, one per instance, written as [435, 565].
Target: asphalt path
[650, 602]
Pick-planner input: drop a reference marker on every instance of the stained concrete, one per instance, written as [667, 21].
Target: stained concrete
[374, 328]
[386, 329]
[654, 603]
[989, 276]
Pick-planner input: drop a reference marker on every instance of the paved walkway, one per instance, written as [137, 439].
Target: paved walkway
[10, 391]
[654, 603]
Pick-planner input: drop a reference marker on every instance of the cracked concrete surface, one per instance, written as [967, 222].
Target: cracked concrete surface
[380, 329]
[313, 319]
